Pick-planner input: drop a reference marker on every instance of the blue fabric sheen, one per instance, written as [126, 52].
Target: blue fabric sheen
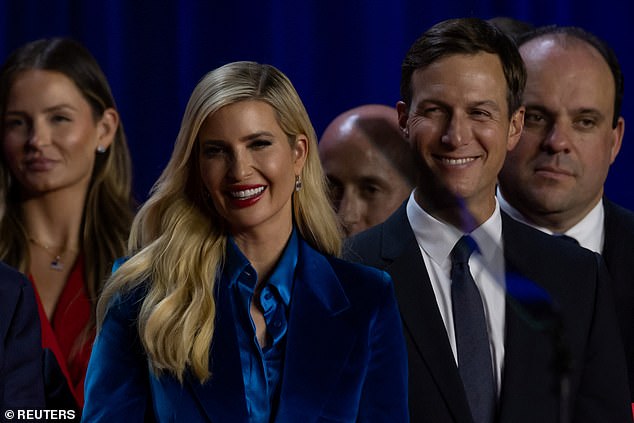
[261, 367]
[345, 358]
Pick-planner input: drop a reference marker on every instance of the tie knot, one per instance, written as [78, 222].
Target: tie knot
[463, 250]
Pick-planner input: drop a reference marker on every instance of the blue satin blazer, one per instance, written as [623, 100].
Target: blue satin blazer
[345, 357]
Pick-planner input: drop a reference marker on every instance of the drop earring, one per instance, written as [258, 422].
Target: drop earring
[298, 183]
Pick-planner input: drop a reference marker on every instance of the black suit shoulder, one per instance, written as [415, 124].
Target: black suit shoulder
[11, 280]
[364, 247]
[21, 379]
[618, 248]
[618, 253]
[380, 244]
[570, 274]
[14, 289]
[539, 250]
[619, 239]
[577, 283]
[619, 216]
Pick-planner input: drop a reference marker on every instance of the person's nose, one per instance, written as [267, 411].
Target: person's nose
[558, 139]
[241, 165]
[39, 135]
[456, 131]
[350, 213]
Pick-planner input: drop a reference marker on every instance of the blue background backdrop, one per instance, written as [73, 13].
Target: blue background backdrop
[339, 54]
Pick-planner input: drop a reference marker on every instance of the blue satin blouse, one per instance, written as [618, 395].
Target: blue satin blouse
[261, 367]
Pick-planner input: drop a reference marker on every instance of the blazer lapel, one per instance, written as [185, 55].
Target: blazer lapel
[519, 346]
[222, 397]
[312, 365]
[527, 305]
[419, 311]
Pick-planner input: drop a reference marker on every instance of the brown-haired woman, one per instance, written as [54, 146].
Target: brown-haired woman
[66, 196]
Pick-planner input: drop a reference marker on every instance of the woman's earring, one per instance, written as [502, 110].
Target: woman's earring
[101, 149]
[298, 183]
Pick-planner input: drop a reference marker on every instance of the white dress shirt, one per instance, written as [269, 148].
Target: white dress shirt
[589, 232]
[436, 239]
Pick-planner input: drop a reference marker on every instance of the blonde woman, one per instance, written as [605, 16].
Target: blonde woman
[66, 206]
[232, 306]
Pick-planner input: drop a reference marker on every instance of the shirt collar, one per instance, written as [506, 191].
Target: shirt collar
[514, 213]
[438, 238]
[283, 273]
[235, 262]
[589, 232]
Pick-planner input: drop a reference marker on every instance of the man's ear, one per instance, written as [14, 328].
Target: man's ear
[515, 128]
[617, 139]
[403, 117]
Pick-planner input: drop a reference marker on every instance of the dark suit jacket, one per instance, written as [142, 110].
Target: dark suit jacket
[345, 357]
[21, 384]
[536, 347]
[618, 253]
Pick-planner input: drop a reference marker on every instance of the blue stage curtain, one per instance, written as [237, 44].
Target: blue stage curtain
[339, 54]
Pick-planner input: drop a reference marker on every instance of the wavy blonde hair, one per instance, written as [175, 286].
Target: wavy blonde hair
[109, 207]
[178, 240]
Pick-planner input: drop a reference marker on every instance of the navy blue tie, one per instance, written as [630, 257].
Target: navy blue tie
[472, 338]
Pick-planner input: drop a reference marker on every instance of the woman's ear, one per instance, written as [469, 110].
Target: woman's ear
[300, 153]
[107, 129]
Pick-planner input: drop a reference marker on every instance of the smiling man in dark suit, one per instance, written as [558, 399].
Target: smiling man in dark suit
[554, 179]
[502, 322]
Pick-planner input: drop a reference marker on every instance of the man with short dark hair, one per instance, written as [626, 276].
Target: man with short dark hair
[502, 322]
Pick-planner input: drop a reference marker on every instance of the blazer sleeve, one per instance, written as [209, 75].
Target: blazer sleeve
[384, 393]
[603, 394]
[22, 362]
[117, 381]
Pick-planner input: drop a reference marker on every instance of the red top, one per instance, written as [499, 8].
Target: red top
[71, 315]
